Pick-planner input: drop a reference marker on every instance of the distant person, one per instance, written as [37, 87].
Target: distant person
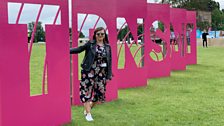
[96, 70]
[204, 39]
[172, 38]
[189, 30]
[153, 34]
[29, 37]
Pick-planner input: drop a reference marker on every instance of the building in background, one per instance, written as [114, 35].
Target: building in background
[203, 16]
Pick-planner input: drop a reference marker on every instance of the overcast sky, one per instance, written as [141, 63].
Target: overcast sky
[47, 16]
[221, 2]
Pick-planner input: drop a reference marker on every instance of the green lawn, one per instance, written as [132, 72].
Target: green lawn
[193, 97]
[36, 68]
[187, 98]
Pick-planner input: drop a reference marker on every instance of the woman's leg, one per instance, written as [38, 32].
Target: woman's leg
[92, 104]
[88, 115]
[87, 107]
[86, 89]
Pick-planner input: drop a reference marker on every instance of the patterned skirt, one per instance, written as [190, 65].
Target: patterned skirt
[93, 84]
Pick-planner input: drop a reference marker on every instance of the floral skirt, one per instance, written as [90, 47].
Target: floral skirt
[93, 85]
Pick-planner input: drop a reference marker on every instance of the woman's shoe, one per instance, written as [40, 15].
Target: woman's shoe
[89, 117]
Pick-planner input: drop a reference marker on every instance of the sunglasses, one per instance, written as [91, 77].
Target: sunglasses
[98, 34]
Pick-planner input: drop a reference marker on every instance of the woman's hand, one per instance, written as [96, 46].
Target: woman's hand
[108, 81]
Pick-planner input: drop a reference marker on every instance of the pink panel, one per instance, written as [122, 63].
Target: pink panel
[1, 22]
[191, 58]
[3, 14]
[46, 2]
[178, 58]
[91, 33]
[100, 8]
[155, 13]
[124, 7]
[17, 107]
[1, 101]
[131, 75]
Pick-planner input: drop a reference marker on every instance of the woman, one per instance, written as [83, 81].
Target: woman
[96, 70]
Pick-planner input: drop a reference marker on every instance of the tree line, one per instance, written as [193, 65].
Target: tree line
[40, 32]
[202, 5]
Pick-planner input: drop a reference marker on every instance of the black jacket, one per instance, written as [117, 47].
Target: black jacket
[204, 36]
[90, 51]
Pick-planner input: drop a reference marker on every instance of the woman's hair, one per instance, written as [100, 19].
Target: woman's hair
[105, 40]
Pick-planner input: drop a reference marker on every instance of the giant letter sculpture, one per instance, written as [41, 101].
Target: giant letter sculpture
[178, 58]
[17, 107]
[191, 58]
[132, 76]
[158, 68]
[100, 8]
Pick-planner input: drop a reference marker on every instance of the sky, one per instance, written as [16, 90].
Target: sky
[48, 14]
[221, 2]
[30, 12]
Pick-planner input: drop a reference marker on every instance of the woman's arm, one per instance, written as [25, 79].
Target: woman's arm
[110, 75]
[79, 49]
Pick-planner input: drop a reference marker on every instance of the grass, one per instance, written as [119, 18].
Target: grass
[121, 59]
[187, 98]
[36, 68]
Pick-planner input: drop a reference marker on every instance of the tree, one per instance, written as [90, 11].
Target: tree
[125, 30]
[39, 34]
[217, 19]
[202, 5]
[203, 25]
[161, 26]
[140, 29]
[212, 5]
[122, 33]
[81, 35]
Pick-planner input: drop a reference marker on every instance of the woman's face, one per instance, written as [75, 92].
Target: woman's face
[100, 35]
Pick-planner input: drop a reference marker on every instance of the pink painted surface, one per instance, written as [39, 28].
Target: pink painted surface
[34, 31]
[91, 33]
[157, 69]
[54, 108]
[178, 58]
[191, 58]
[17, 107]
[1, 114]
[3, 19]
[101, 9]
[20, 11]
[131, 75]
